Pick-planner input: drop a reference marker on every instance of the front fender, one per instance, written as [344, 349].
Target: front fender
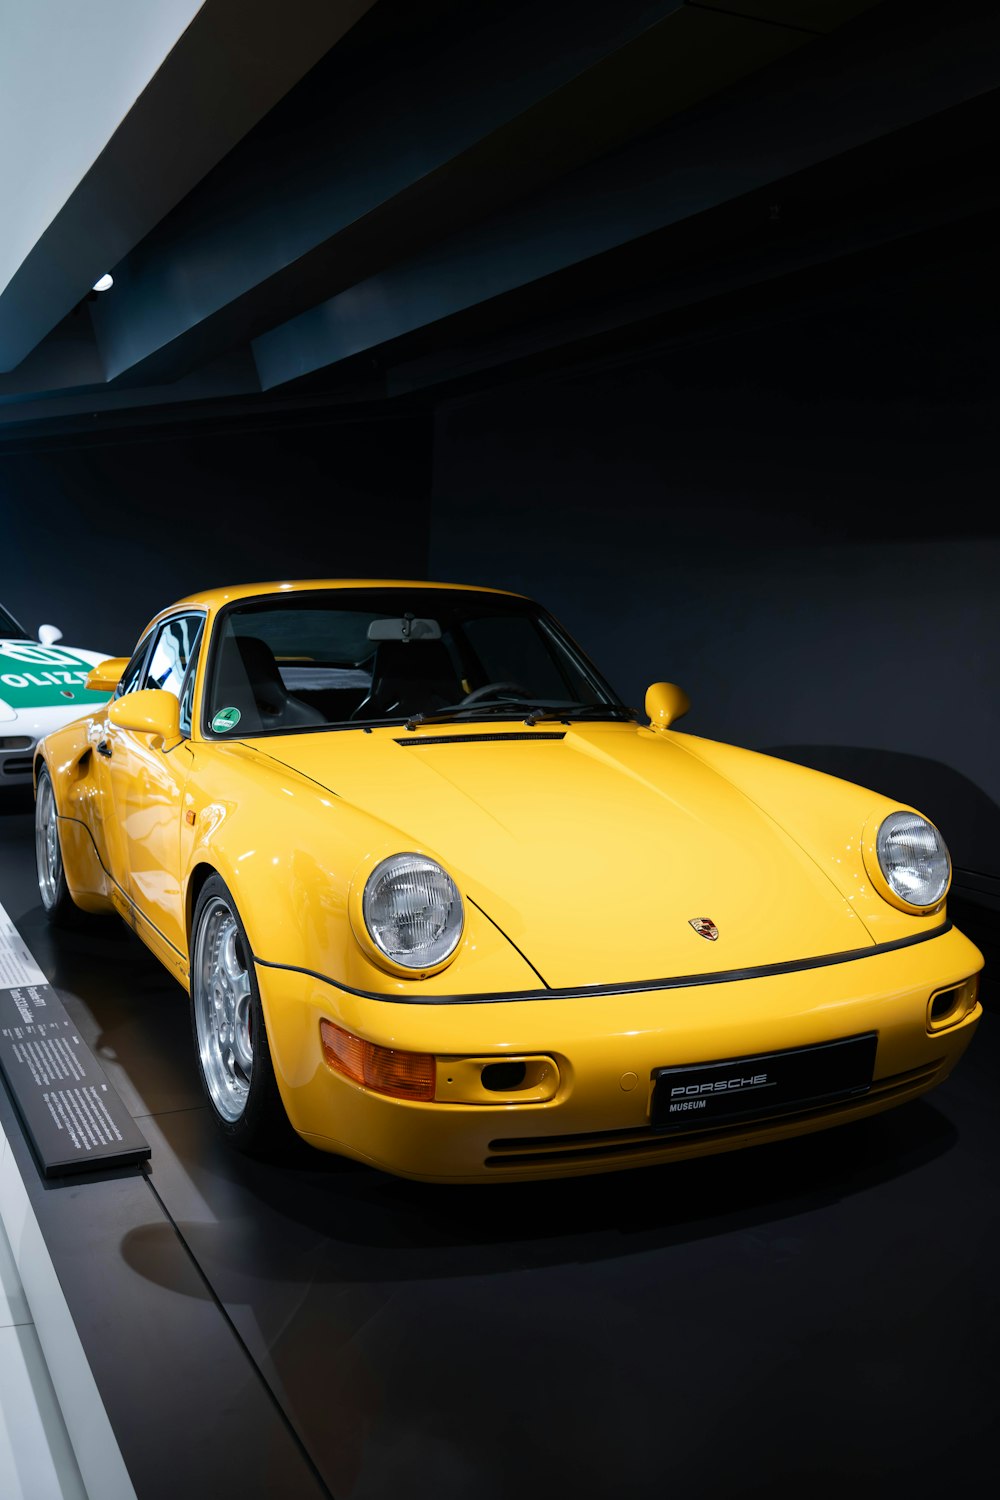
[288, 850]
[67, 755]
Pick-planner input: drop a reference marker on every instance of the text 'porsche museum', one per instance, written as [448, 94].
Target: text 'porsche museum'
[443, 902]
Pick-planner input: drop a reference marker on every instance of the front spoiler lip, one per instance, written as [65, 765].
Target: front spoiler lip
[627, 987]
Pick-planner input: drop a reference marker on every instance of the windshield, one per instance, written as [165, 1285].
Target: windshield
[343, 657]
[10, 630]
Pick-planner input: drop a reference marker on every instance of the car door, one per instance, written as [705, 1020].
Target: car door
[100, 810]
[148, 780]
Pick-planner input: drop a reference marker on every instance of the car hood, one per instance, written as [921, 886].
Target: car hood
[593, 848]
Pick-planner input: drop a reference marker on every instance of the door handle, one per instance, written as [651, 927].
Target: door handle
[103, 748]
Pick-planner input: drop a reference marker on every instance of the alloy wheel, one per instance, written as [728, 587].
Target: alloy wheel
[221, 996]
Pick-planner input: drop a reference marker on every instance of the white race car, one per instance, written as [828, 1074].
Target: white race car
[42, 686]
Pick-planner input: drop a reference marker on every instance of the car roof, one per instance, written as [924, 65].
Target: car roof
[215, 598]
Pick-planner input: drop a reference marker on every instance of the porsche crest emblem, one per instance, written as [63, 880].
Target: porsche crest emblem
[704, 927]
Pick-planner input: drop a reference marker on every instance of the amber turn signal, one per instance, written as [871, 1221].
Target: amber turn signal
[401, 1075]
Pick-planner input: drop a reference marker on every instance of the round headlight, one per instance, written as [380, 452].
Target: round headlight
[413, 911]
[913, 858]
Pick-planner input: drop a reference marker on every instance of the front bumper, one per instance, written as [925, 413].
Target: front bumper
[607, 1049]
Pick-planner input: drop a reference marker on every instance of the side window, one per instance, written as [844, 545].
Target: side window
[175, 645]
[131, 678]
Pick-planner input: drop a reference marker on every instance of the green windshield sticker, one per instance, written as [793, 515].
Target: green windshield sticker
[226, 719]
[33, 676]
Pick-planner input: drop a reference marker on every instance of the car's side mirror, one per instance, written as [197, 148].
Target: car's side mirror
[49, 634]
[154, 712]
[106, 676]
[665, 702]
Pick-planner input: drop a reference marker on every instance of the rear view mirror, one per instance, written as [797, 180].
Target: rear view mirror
[105, 677]
[665, 702]
[49, 634]
[409, 628]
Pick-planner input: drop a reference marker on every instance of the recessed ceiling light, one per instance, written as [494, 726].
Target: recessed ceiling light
[104, 283]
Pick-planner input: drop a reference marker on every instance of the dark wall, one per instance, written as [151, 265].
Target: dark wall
[795, 522]
[99, 533]
[793, 517]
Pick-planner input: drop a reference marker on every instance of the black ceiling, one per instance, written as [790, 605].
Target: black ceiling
[385, 201]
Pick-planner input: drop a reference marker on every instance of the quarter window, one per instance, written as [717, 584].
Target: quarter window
[131, 678]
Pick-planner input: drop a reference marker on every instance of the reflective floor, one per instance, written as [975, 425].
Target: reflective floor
[800, 1319]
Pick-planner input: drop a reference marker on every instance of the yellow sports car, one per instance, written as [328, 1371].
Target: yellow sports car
[444, 901]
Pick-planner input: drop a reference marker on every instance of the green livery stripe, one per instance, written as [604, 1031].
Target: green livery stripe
[33, 676]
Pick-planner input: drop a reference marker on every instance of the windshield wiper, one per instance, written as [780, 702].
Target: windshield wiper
[577, 713]
[467, 711]
[531, 713]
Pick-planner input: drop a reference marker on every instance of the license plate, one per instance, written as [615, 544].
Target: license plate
[704, 1094]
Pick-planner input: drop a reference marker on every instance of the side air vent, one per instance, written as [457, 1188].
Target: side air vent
[16, 765]
[478, 739]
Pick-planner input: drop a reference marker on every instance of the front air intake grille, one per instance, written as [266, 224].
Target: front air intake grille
[615, 1145]
[16, 742]
[16, 765]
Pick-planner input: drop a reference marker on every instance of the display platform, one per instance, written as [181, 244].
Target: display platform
[811, 1317]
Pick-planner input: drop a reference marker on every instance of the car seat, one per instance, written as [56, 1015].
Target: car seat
[410, 677]
[249, 679]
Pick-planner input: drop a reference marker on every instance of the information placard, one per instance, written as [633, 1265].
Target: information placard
[73, 1117]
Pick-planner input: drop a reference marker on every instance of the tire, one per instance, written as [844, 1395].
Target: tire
[227, 1021]
[57, 903]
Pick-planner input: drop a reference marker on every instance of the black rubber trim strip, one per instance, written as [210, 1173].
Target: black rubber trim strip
[629, 987]
[141, 917]
[481, 739]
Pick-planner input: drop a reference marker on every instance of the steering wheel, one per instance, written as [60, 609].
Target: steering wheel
[491, 689]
